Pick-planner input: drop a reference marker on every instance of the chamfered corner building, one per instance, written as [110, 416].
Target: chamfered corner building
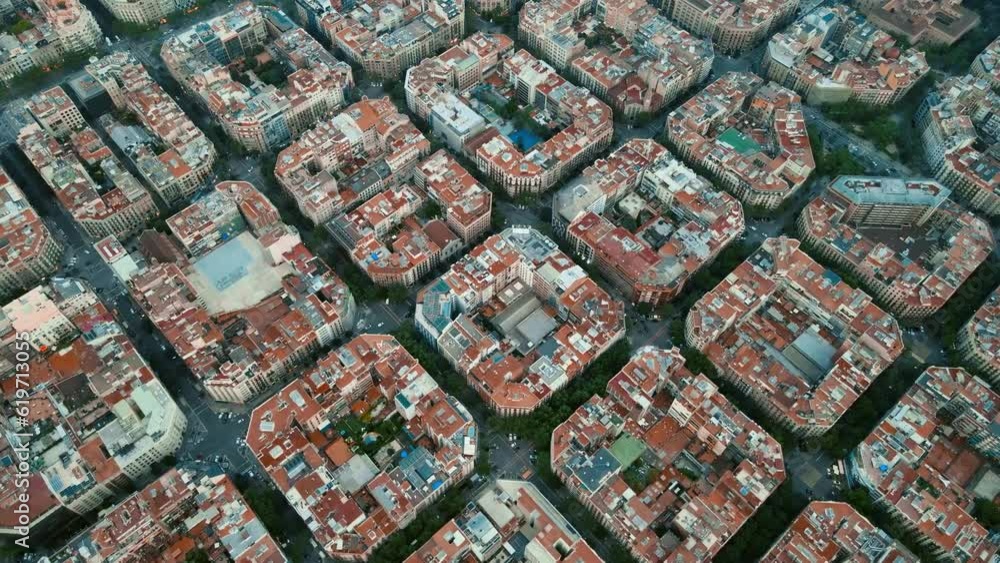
[186, 510]
[99, 416]
[829, 532]
[647, 221]
[791, 334]
[518, 318]
[510, 519]
[355, 488]
[29, 253]
[905, 240]
[979, 339]
[665, 461]
[931, 457]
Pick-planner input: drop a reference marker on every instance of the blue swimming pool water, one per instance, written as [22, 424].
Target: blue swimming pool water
[524, 139]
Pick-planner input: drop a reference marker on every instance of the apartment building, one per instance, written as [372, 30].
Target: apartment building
[518, 319]
[548, 28]
[931, 457]
[238, 296]
[649, 459]
[55, 113]
[940, 22]
[497, 519]
[979, 339]
[185, 510]
[313, 13]
[733, 26]
[909, 245]
[257, 115]
[793, 336]
[490, 7]
[29, 253]
[221, 215]
[99, 417]
[987, 64]
[647, 67]
[172, 154]
[467, 205]
[386, 237]
[7, 7]
[455, 71]
[122, 262]
[353, 173]
[833, 55]
[88, 180]
[146, 12]
[646, 221]
[60, 28]
[389, 38]
[960, 130]
[348, 159]
[454, 121]
[748, 135]
[355, 490]
[581, 124]
[827, 531]
[604, 72]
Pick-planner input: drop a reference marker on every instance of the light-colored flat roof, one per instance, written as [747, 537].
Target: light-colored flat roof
[236, 275]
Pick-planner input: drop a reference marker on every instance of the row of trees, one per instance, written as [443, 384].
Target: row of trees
[891, 129]
[876, 124]
[862, 502]
[506, 20]
[20, 26]
[361, 286]
[764, 528]
[596, 534]
[536, 427]
[760, 532]
[870, 407]
[698, 362]
[28, 82]
[771, 520]
[404, 542]
[785, 504]
[753, 539]
[856, 424]
[708, 277]
[949, 320]
[832, 163]
[280, 519]
[439, 368]
[131, 29]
